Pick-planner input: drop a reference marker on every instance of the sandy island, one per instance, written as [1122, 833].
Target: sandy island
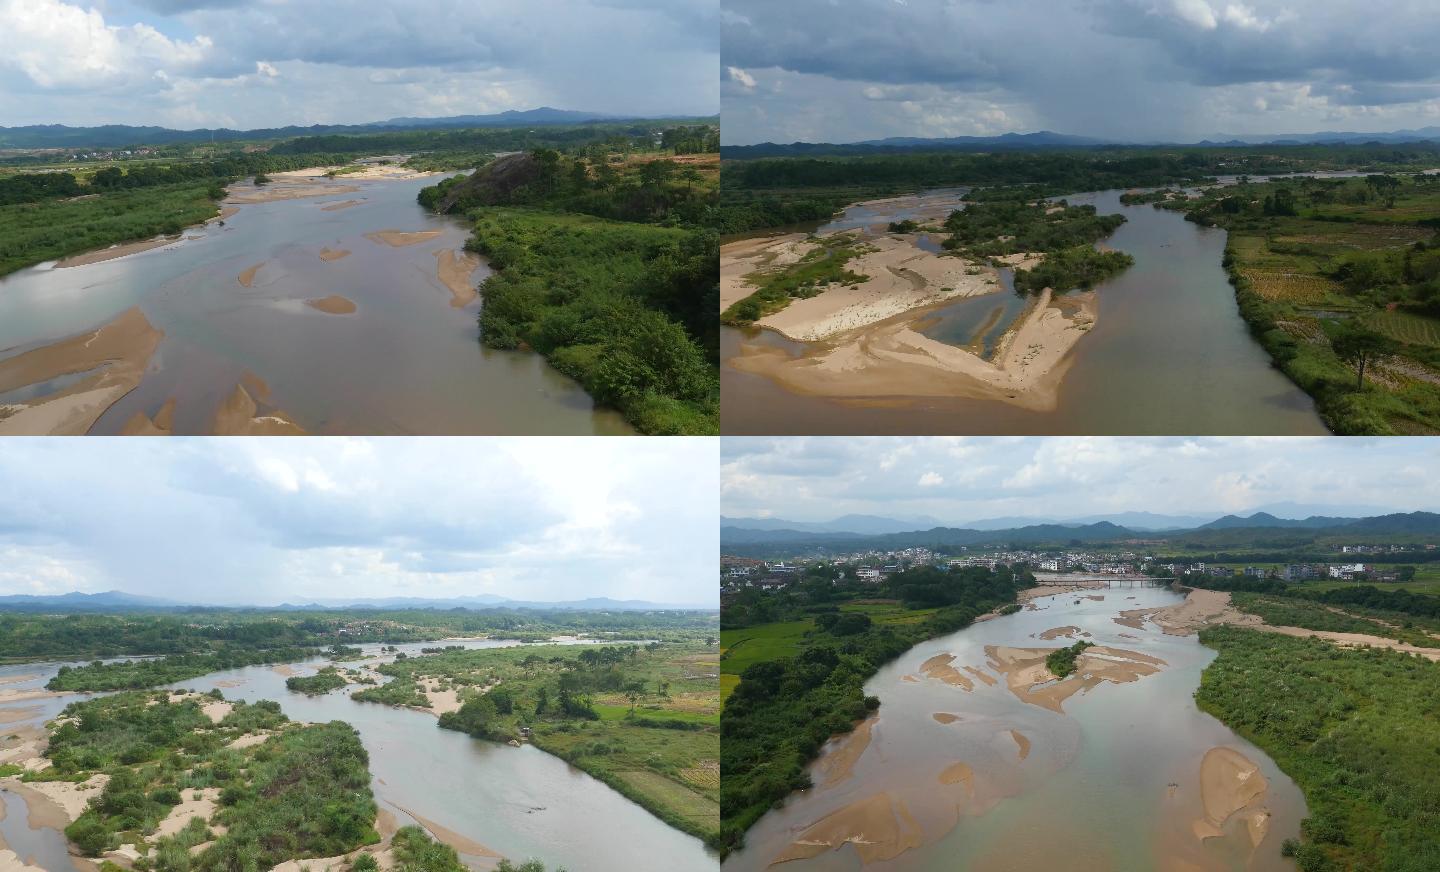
[880, 827]
[332, 305]
[1230, 782]
[837, 765]
[141, 424]
[1031, 681]
[454, 269]
[331, 254]
[245, 193]
[343, 204]
[118, 353]
[401, 238]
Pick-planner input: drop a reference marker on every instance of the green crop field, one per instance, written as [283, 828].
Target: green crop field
[1408, 327]
[740, 648]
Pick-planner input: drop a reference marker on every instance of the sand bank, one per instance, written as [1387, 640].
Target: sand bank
[454, 269]
[1068, 632]
[939, 667]
[333, 305]
[240, 415]
[118, 352]
[947, 717]
[837, 765]
[247, 278]
[460, 842]
[900, 277]
[880, 827]
[11, 862]
[333, 254]
[284, 189]
[115, 251]
[163, 424]
[343, 204]
[441, 701]
[401, 238]
[893, 359]
[958, 773]
[739, 259]
[391, 171]
[56, 804]
[250, 740]
[1021, 742]
[1229, 782]
[1027, 676]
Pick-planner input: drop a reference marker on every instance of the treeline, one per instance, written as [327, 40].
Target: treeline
[321, 682]
[35, 187]
[139, 674]
[619, 137]
[1355, 729]
[783, 711]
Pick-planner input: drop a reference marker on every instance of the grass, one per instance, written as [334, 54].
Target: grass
[1406, 327]
[889, 612]
[739, 649]
[820, 268]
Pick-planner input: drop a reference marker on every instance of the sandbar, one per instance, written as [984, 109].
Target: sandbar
[840, 762]
[1068, 632]
[1027, 676]
[332, 254]
[343, 204]
[880, 827]
[938, 667]
[454, 269]
[946, 717]
[332, 305]
[141, 424]
[238, 416]
[118, 352]
[401, 238]
[462, 843]
[114, 251]
[284, 190]
[247, 278]
[893, 359]
[1229, 781]
[1022, 742]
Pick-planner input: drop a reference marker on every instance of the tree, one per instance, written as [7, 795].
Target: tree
[634, 691]
[1358, 346]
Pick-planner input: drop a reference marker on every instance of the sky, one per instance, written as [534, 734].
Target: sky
[964, 479]
[266, 521]
[247, 64]
[1133, 70]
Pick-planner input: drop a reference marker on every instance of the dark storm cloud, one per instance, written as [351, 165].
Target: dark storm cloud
[1124, 68]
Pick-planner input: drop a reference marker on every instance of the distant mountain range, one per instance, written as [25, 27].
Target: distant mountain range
[112, 136]
[863, 524]
[1259, 527]
[115, 600]
[1045, 139]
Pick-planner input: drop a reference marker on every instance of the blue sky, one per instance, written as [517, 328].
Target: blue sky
[826, 70]
[267, 521]
[264, 63]
[967, 478]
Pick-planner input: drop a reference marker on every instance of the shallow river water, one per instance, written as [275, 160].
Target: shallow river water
[519, 802]
[1169, 354]
[1112, 783]
[406, 361]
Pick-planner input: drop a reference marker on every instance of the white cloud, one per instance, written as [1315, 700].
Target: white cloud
[931, 479]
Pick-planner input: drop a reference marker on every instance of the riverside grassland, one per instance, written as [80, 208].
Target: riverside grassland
[606, 264]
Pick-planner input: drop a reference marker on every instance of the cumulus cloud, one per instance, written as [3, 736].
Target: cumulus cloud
[238, 520]
[349, 61]
[1129, 69]
[964, 479]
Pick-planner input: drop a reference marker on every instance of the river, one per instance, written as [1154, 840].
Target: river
[406, 361]
[1112, 783]
[1169, 354]
[519, 802]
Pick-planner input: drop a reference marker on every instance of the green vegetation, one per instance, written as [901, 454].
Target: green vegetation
[138, 674]
[1010, 222]
[592, 295]
[799, 688]
[324, 681]
[398, 691]
[1061, 662]
[819, 268]
[1079, 267]
[1358, 731]
[643, 719]
[304, 792]
[607, 266]
[1339, 280]
[1299, 610]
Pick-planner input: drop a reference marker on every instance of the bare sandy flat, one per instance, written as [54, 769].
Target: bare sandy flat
[190, 806]
[1068, 632]
[740, 259]
[216, 711]
[284, 189]
[946, 717]
[958, 773]
[1022, 743]
[1229, 781]
[332, 254]
[441, 701]
[114, 251]
[1027, 676]
[401, 238]
[454, 269]
[939, 667]
[892, 359]
[71, 799]
[333, 305]
[343, 204]
[879, 827]
[119, 353]
[902, 277]
[249, 740]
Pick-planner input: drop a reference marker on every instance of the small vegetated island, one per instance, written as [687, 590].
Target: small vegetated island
[606, 265]
[1336, 679]
[1342, 279]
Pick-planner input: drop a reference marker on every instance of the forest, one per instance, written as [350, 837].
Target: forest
[607, 266]
[1355, 729]
[804, 685]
